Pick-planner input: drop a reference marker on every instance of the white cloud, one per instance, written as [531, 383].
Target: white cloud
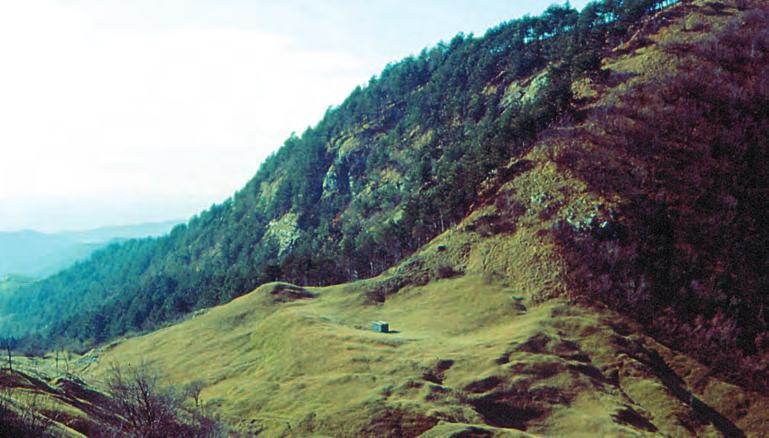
[89, 112]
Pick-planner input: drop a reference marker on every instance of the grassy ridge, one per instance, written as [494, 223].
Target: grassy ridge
[465, 352]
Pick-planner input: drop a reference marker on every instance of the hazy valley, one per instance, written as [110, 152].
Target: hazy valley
[36, 255]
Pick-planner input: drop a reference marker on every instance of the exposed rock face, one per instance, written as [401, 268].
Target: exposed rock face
[330, 182]
[524, 92]
[284, 232]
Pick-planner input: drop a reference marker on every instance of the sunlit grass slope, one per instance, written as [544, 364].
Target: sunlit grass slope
[467, 354]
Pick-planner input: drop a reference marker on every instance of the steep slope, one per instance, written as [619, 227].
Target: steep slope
[653, 200]
[678, 240]
[396, 164]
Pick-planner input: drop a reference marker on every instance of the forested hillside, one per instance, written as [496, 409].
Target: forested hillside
[397, 163]
[564, 224]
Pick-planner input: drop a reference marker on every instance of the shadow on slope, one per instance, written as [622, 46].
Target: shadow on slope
[681, 150]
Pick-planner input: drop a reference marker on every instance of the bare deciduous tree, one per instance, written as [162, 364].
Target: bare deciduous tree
[8, 343]
[150, 410]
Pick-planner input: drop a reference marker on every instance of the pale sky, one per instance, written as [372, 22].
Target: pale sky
[122, 112]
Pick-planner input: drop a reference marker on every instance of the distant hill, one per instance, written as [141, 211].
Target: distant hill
[10, 283]
[35, 254]
[106, 234]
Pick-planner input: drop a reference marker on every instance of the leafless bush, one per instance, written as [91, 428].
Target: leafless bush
[137, 398]
[32, 417]
[149, 410]
[22, 419]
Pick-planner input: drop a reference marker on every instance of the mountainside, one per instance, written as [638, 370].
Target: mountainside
[607, 276]
[34, 254]
[396, 164]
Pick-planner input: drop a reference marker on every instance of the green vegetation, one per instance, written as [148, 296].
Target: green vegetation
[463, 354]
[608, 278]
[400, 161]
